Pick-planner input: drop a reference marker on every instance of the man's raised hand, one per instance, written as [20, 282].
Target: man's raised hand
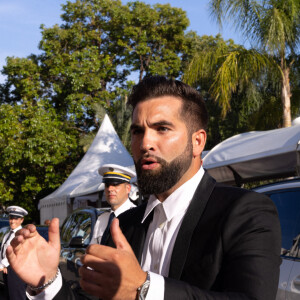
[111, 273]
[33, 258]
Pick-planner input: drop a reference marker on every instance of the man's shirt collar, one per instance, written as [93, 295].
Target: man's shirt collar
[179, 200]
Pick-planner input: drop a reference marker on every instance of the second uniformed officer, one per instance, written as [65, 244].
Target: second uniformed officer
[15, 287]
[117, 187]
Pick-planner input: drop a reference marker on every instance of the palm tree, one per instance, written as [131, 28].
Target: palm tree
[228, 68]
[273, 26]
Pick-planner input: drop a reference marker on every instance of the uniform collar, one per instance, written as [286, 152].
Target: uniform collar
[125, 206]
[16, 229]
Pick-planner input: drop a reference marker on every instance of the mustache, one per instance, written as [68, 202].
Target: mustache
[156, 158]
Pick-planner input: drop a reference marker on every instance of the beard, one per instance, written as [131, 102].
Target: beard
[161, 180]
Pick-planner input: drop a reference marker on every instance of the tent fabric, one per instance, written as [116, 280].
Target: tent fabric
[89, 186]
[82, 201]
[255, 155]
[84, 179]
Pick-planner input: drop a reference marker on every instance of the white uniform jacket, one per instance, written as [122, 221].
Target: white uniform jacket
[5, 243]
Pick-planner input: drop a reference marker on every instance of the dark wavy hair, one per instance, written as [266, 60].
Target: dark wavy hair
[193, 112]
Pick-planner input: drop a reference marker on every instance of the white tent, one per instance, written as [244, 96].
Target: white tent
[256, 155]
[84, 183]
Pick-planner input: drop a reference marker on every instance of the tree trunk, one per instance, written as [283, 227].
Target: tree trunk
[286, 97]
[141, 68]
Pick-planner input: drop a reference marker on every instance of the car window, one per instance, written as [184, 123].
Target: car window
[4, 223]
[78, 224]
[3, 231]
[288, 206]
[64, 231]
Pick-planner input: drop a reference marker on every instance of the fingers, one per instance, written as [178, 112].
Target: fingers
[16, 243]
[53, 233]
[10, 255]
[102, 266]
[91, 288]
[102, 261]
[31, 228]
[21, 235]
[118, 237]
[92, 261]
[91, 275]
[28, 231]
[98, 253]
[99, 284]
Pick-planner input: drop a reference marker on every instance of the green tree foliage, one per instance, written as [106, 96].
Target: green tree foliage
[36, 149]
[120, 116]
[225, 71]
[154, 38]
[48, 100]
[100, 43]
[274, 27]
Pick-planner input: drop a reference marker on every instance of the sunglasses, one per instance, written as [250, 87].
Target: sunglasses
[14, 217]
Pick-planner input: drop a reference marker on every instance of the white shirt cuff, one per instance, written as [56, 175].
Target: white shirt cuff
[156, 289]
[4, 262]
[50, 292]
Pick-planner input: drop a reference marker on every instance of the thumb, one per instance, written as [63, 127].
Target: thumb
[118, 236]
[53, 233]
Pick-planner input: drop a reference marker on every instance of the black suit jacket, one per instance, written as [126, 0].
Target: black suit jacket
[228, 245]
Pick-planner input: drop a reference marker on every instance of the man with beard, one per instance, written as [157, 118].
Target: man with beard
[193, 239]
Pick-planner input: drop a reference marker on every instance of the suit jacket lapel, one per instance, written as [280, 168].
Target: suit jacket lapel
[134, 230]
[191, 219]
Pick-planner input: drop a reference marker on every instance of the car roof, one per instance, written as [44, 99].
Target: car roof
[280, 185]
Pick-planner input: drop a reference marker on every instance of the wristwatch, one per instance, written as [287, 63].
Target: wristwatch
[143, 289]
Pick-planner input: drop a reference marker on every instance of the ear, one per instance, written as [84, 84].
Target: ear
[198, 140]
[128, 188]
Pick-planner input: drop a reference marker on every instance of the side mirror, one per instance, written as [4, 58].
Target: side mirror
[77, 242]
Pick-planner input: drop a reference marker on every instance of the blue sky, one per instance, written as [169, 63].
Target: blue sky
[20, 22]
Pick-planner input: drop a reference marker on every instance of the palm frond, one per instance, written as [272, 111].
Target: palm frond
[238, 69]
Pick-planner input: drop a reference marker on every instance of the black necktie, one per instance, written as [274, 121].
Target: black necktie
[106, 231]
[2, 252]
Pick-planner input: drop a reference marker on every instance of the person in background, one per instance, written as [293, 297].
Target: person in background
[193, 239]
[47, 222]
[117, 188]
[15, 287]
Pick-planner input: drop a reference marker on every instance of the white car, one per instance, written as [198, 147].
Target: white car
[286, 196]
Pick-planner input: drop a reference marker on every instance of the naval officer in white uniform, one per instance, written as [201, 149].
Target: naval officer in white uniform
[117, 188]
[14, 287]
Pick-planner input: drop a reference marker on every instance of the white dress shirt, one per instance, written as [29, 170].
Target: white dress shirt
[162, 233]
[102, 221]
[4, 262]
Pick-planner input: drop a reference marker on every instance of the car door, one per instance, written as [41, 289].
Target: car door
[293, 286]
[3, 231]
[76, 233]
[287, 202]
